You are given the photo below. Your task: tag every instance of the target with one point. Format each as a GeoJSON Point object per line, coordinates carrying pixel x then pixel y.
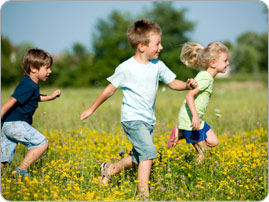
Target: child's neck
{"type": "Point", "coordinates": [141, 58]}
{"type": "Point", "coordinates": [33, 77]}
{"type": "Point", "coordinates": [212, 71]}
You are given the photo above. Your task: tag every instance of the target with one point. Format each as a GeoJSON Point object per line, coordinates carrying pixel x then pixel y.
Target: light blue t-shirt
{"type": "Point", "coordinates": [139, 83]}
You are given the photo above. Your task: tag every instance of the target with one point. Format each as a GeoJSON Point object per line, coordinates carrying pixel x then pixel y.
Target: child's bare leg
{"type": "Point", "coordinates": [32, 155]}
{"type": "Point", "coordinates": [117, 167]}
{"type": "Point", "coordinates": [212, 139]}
{"type": "Point", "coordinates": [143, 177]}
{"type": "Point", "coordinates": [123, 164]}
{"type": "Point", "coordinates": [200, 147]}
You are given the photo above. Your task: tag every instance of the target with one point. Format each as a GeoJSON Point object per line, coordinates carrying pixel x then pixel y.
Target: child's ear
{"type": "Point", "coordinates": [212, 63]}
{"type": "Point", "coordinates": [33, 69]}
{"type": "Point", "coordinates": [140, 47]}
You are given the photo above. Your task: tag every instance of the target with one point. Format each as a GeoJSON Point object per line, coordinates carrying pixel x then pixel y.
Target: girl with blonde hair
{"type": "Point", "coordinates": [212, 60]}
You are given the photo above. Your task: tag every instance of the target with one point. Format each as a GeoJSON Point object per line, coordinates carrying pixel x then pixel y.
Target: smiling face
{"type": "Point", "coordinates": [154, 47]}
{"type": "Point", "coordinates": [222, 62]}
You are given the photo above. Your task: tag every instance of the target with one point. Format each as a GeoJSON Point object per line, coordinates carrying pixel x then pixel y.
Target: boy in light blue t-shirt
{"type": "Point", "coordinates": [139, 78]}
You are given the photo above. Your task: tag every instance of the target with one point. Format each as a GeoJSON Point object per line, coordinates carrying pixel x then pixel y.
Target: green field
{"type": "Point", "coordinates": [235, 170]}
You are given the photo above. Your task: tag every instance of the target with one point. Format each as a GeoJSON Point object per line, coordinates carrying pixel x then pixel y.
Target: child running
{"type": "Point", "coordinates": [139, 79]}
{"type": "Point", "coordinates": [191, 125]}
{"type": "Point", "coordinates": [17, 112]}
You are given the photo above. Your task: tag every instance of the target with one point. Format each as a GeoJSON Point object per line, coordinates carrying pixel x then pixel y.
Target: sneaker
{"type": "Point", "coordinates": [172, 137]}
{"type": "Point", "coordinates": [105, 176]}
{"type": "Point", "coordinates": [18, 172]}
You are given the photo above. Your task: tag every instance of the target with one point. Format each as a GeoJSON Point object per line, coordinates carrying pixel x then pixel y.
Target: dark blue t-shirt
{"type": "Point", "coordinates": [27, 96]}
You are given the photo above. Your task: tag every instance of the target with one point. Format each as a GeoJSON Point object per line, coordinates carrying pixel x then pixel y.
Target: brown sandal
{"type": "Point", "coordinates": [105, 176]}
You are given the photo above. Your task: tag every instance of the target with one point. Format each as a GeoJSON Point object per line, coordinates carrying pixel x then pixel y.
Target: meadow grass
{"type": "Point", "coordinates": [237, 169]}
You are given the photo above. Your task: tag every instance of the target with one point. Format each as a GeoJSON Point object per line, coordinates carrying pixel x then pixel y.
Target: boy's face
{"type": "Point", "coordinates": [43, 73]}
{"type": "Point", "coordinates": [154, 47]}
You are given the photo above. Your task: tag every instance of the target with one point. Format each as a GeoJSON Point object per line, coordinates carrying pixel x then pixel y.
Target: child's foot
{"type": "Point", "coordinates": [173, 140]}
{"type": "Point", "coordinates": [200, 158]}
{"type": "Point", "coordinates": [105, 176]}
{"type": "Point", "coordinates": [18, 172]}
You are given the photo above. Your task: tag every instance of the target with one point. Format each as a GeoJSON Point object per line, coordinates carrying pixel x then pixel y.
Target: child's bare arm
{"type": "Point", "coordinates": [190, 101]}
{"type": "Point", "coordinates": [107, 92]}
{"type": "Point", "coordinates": [181, 85]}
{"type": "Point", "coordinates": [7, 105]}
{"type": "Point", "coordinates": [52, 96]}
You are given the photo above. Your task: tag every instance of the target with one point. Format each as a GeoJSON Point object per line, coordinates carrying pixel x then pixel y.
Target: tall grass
{"type": "Point", "coordinates": [235, 170]}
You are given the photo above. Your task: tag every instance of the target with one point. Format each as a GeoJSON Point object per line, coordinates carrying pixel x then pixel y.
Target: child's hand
{"type": "Point", "coordinates": [191, 84]}
{"type": "Point", "coordinates": [56, 93]}
{"type": "Point", "coordinates": [195, 123]}
{"type": "Point", "coordinates": [85, 114]}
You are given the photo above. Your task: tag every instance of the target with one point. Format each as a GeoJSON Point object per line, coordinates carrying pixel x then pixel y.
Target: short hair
{"type": "Point", "coordinates": [194, 55]}
{"type": "Point", "coordinates": [140, 32]}
{"type": "Point", "coordinates": [35, 58]}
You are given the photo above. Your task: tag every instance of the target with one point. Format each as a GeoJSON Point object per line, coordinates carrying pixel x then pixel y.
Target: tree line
{"type": "Point", "coordinates": [80, 67]}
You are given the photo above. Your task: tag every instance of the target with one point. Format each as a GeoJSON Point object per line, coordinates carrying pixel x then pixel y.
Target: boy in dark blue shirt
{"type": "Point", "coordinates": [17, 112]}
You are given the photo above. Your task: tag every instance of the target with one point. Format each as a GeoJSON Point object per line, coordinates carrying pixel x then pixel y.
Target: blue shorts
{"type": "Point", "coordinates": [195, 136]}
{"type": "Point", "coordinates": [18, 131]}
{"type": "Point", "coordinates": [140, 135]}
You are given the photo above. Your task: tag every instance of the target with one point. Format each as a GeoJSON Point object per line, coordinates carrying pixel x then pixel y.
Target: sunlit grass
{"type": "Point", "coordinates": [235, 170]}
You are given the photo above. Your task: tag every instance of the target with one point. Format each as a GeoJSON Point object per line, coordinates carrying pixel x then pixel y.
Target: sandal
{"type": "Point", "coordinates": [105, 176]}
{"type": "Point", "coordinates": [172, 137]}
{"type": "Point", "coordinates": [20, 173]}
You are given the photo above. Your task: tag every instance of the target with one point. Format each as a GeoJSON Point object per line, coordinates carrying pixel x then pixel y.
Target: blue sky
{"type": "Point", "coordinates": [56, 25]}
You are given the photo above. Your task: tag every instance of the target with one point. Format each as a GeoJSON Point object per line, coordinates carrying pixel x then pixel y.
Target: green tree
{"type": "Point", "coordinates": [11, 71]}
{"type": "Point", "coordinates": [73, 68]}
{"type": "Point", "coordinates": [250, 54]}
{"type": "Point", "coordinates": [7, 73]}
{"type": "Point", "coordinates": [6, 47]}
{"type": "Point", "coordinates": [244, 59]}
{"type": "Point", "coordinates": [110, 46]}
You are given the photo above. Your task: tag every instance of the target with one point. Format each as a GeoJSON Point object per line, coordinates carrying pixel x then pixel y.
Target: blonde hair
{"type": "Point", "coordinates": [140, 32]}
{"type": "Point", "coordinates": [35, 58]}
{"type": "Point", "coordinates": [194, 55]}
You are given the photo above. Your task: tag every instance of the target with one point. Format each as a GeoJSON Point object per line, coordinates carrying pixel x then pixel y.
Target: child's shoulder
{"type": "Point", "coordinates": [203, 75]}
{"type": "Point", "coordinates": [126, 62]}
{"type": "Point", "coordinates": [27, 82]}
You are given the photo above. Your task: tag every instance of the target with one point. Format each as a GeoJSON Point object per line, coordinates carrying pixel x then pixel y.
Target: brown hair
{"type": "Point", "coordinates": [194, 55]}
{"type": "Point", "coordinates": [140, 31]}
{"type": "Point", "coordinates": [35, 58]}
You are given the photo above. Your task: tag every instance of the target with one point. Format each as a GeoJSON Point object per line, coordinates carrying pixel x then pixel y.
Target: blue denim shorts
{"type": "Point", "coordinates": [18, 131]}
{"type": "Point", "coordinates": [140, 134]}
{"type": "Point", "coordinates": [195, 136]}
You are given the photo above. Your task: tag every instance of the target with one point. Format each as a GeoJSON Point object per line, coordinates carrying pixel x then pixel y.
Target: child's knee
{"type": "Point", "coordinates": [215, 142]}
{"type": "Point", "coordinates": [46, 145]}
